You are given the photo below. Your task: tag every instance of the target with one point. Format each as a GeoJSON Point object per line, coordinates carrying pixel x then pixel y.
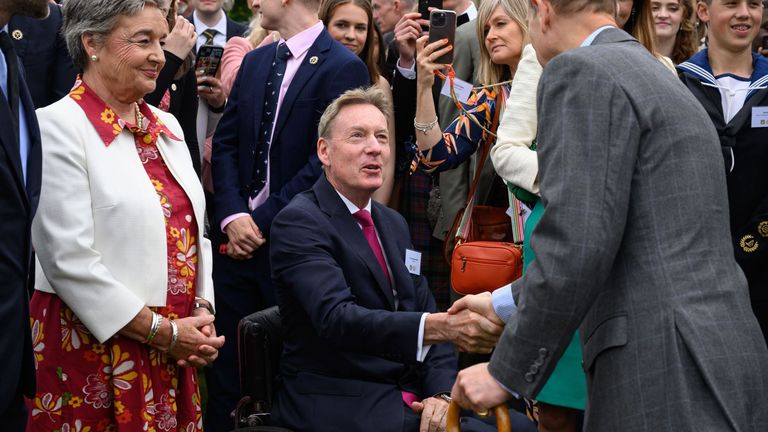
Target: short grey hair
{"type": "Point", "coordinates": [359, 96]}
{"type": "Point", "coordinates": [97, 18]}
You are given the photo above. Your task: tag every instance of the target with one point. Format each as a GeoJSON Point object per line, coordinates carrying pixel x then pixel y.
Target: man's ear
{"type": "Point", "coordinates": [322, 151]}
{"type": "Point", "coordinates": [544, 13]}
{"type": "Point", "coordinates": [702, 10]}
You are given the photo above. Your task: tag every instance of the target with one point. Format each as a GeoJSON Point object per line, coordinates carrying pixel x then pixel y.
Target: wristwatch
{"type": "Point", "coordinates": [444, 396]}
{"type": "Point", "coordinates": [200, 303]}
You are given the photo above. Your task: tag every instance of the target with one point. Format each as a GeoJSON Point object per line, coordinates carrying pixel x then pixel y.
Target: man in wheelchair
{"type": "Point", "coordinates": [364, 348]}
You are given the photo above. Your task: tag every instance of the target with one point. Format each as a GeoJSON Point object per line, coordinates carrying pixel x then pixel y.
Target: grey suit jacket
{"type": "Point", "coordinates": [634, 246]}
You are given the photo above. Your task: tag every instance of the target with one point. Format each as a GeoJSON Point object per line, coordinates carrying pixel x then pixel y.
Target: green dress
{"type": "Point", "coordinates": [567, 386]}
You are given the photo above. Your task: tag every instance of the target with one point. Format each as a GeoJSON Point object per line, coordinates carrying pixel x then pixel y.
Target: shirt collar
{"type": "Point", "coordinates": [351, 207]}
{"type": "Point", "coordinates": [302, 41]}
{"type": "Point", "coordinates": [591, 38]}
{"type": "Point", "coordinates": [698, 66]}
{"type": "Point", "coordinates": [220, 26]}
{"type": "Point", "coordinates": [107, 124]}
{"type": "Point", "coordinates": [471, 11]}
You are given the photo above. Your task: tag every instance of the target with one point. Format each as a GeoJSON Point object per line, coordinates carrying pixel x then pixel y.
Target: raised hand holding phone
{"type": "Point", "coordinates": [442, 26]}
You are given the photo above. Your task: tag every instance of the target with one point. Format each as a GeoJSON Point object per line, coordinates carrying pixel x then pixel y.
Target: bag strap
{"type": "Point", "coordinates": [463, 230]}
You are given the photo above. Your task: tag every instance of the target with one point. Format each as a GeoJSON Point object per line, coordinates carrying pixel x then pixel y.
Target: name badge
{"type": "Point", "coordinates": [413, 261]}
{"type": "Point", "coordinates": [759, 117]}
{"type": "Point", "coordinates": [463, 90]}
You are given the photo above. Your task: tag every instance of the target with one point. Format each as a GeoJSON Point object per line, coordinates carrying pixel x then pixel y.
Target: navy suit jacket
{"type": "Point", "coordinates": [50, 72]}
{"type": "Point", "coordinates": [347, 353]}
{"type": "Point", "coordinates": [328, 70]}
{"type": "Point", "coordinates": [18, 202]}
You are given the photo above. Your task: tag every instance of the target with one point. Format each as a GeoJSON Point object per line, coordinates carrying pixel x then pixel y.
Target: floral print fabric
{"type": "Point", "coordinates": [463, 136]}
{"type": "Point", "coordinates": [122, 384]}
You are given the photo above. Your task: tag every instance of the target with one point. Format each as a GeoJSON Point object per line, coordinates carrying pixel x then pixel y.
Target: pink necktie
{"type": "Point", "coordinates": [364, 218]}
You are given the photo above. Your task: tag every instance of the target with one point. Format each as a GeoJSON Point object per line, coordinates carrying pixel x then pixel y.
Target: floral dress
{"type": "Point", "coordinates": [122, 384]}
{"type": "Point", "coordinates": [462, 137]}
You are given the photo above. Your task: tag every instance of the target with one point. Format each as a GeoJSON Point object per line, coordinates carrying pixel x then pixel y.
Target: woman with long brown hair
{"type": "Point", "coordinates": [676, 34]}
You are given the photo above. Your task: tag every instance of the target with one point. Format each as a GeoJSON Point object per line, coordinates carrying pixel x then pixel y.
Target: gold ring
{"type": "Point", "coordinates": [482, 413]}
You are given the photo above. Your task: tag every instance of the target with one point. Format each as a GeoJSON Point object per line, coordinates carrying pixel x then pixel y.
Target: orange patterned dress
{"type": "Point", "coordinates": [122, 384]}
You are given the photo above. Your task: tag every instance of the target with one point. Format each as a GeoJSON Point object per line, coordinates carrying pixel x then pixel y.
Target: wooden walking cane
{"type": "Point", "coordinates": [500, 411]}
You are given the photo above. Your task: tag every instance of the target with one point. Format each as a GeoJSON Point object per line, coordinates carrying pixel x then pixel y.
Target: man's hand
{"type": "Point", "coordinates": [469, 331]}
{"type": "Point", "coordinates": [181, 39]}
{"type": "Point", "coordinates": [433, 414]}
{"type": "Point", "coordinates": [477, 390]}
{"type": "Point", "coordinates": [480, 303]}
{"type": "Point", "coordinates": [244, 238]}
{"type": "Point", "coordinates": [407, 30]}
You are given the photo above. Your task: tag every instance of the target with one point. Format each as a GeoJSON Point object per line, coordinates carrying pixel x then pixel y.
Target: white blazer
{"type": "Point", "coordinates": [99, 232]}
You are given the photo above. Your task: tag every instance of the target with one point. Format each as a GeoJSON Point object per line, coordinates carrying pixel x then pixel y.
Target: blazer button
{"type": "Point", "coordinates": [534, 369]}
{"type": "Point", "coordinates": [529, 377]}
{"type": "Point", "coordinates": [543, 352]}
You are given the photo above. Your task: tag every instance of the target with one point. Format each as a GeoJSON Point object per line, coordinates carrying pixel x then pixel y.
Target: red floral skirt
{"type": "Point", "coordinates": [120, 385]}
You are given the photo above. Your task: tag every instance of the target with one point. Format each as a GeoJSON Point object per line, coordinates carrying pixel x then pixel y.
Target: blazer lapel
{"type": "Point", "coordinates": [401, 279]}
{"type": "Point", "coordinates": [259, 93]}
{"type": "Point", "coordinates": [34, 155]}
{"type": "Point", "coordinates": [9, 138]}
{"type": "Point", "coordinates": [348, 229]}
{"type": "Point", "coordinates": [312, 61]}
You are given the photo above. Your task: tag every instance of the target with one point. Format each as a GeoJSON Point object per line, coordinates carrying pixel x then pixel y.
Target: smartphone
{"type": "Point", "coordinates": [209, 59]}
{"type": "Point", "coordinates": [424, 6]}
{"type": "Point", "coordinates": [442, 25]}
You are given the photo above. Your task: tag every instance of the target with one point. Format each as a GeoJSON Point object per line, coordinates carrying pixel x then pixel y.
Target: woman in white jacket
{"type": "Point", "coordinates": [124, 298]}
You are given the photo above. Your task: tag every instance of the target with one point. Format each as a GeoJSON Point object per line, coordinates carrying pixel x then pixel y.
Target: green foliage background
{"type": "Point", "coordinates": [240, 11]}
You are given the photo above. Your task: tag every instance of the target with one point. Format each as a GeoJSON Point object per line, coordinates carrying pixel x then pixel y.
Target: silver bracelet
{"type": "Point", "coordinates": [157, 321]}
{"type": "Point", "coordinates": [424, 127]}
{"type": "Point", "coordinates": [174, 335]}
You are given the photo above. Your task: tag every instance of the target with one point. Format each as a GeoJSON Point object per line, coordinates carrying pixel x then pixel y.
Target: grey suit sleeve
{"type": "Point", "coordinates": [589, 138]}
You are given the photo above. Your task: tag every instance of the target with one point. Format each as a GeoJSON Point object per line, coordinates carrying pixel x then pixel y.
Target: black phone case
{"type": "Point", "coordinates": [209, 59]}
{"type": "Point", "coordinates": [424, 6]}
{"type": "Point", "coordinates": [447, 31]}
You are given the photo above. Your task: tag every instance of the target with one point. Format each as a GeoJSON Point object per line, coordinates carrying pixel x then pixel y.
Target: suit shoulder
{"type": "Point", "coordinates": [62, 111]}
{"type": "Point", "coordinates": [301, 206]}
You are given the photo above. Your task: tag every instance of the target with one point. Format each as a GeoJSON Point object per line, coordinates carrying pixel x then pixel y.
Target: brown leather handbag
{"type": "Point", "coordinates": [503, 422]}
{"type": "Point", "coordinates": [479, 244]}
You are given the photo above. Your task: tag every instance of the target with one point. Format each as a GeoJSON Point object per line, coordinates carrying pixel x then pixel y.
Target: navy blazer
{"type": "Point", "coordinates": [43, 52]}
{"type": "Point", "coordinates": [18, 202]}
{"type": "Point", "coordinates": [347, 353]}
{"type": "Point", "coordinates": [328, 70]}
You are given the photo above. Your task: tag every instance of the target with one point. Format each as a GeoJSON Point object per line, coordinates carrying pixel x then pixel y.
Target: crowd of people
{"type": "Point", "coordinates": [147, 206]}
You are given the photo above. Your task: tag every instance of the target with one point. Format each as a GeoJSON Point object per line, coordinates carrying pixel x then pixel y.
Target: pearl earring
{"type": "Point", "coordinates": [94, 58]}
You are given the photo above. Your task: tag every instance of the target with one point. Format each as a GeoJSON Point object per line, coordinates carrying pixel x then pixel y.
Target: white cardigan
{"type": "Point", "coordinates": [99, 232]}
{"type": "Point", "coordinates": [512, 157]}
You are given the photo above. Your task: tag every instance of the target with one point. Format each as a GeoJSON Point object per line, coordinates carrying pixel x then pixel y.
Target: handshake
{"type": "Point", "coordinates": [470, 323]}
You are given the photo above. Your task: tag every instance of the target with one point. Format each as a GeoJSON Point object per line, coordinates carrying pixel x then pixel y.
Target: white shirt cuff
{"type": "Point", "coordinates": [421, 349]}
{"type": "Point", "coordinates": [409, 73]}
{"type": "Point", "coordinates": [503, 302]}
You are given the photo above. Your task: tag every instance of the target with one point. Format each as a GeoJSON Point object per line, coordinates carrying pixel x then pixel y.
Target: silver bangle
{"type": "Point", "coordinates": [157, 321]}
{"type": "Point", "coordinates": [174, 335]}
{"type": "Point", "coordinates": [424, 127]}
